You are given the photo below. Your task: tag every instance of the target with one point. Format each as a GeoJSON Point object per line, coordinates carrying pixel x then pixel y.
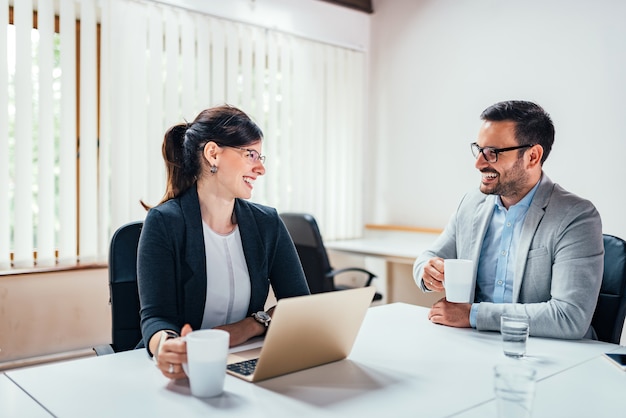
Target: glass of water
{"type": "Point", "coordinates": [514, 386]}
{"type": "Point", "coordinates": [514, 330]}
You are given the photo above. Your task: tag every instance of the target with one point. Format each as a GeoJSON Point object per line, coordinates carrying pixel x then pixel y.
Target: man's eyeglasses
{"type": "Point", "coordinates": [491, 154]}
{"type": "Point", "coordinates": [251, 154]}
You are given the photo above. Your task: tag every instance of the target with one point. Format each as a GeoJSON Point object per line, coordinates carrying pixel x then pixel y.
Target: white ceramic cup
{"type": "Point", "coordinates": [207, 352]}
{"type": "Point", "coordinates": [514, 387]}
{"type": "Point", "coordinates": [458, 280]}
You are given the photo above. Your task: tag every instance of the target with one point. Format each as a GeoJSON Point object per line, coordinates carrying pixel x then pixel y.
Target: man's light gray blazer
{"type": "Point", "coordinates": [559, 264]}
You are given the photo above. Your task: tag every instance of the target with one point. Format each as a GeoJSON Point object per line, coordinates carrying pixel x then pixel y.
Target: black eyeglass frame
{"type": "Point", "coordinates": [248, 150]}
{"type": "Point", "coordinates": [476, 149]}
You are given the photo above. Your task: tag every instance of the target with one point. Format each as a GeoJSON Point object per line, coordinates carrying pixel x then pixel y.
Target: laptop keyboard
{"type": "Point", "coordinates": [245, 368]}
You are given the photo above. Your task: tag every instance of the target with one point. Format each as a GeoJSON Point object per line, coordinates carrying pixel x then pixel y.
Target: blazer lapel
{"type": "Point", "coordinates": [480, 222]}
{"type": "Point", "coordinates": [255, 258]}
{"type": "Point", "coordinates": [195, 279]}
{"type": "Point", "coordinates": [531, 223]}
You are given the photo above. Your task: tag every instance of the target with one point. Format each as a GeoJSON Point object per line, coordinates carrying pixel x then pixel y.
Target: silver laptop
{"type": "Point", "coordinates": [306, 331]}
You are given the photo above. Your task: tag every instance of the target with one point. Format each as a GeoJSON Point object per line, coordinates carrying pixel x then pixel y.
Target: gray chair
{"type": "Point", "coordinates": [608, 318]}
{"type": "Point", "coordinates": [319, 273]}
{"type": "Point", "coordinates": [124, 294]}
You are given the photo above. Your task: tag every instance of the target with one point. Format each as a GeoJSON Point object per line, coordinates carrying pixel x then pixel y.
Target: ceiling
{"type": "Point", "coordinates": [362, 5]}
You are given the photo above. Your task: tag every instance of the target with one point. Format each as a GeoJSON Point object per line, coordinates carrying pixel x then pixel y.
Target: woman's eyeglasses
{"type": "Point", "coordinates": [251, 154]}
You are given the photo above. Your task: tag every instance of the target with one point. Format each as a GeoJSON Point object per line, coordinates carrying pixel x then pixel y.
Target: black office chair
{"type": "Point", "coordinates": [308, 241]}
{"type": "Point", "coordinates": [608, 318]}
{"type": "Point", "coordinates": [124, 295]}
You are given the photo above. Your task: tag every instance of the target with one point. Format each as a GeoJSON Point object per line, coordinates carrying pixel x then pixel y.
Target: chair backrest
{"type": "Point", "coordinates": [123, 287]}
{"type": "Point", "coordinates": [308, 241]}
{"type": "Point", "coordinates": [608, 318]}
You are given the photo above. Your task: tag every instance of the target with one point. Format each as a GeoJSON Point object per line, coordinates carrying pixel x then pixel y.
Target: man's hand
{"type": "Point", "coordinates": [450, 314]}
{"type": "Point", "coordinates": [433, 274]}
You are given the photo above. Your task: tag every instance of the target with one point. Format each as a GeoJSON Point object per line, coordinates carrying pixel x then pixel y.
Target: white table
{"type": "Point", "coordinates": [595, 388]}
{"type": "Point", "coordinates": [390, 255]}
{"type": "Point", "coordinates": [15, 403]}
{"type": "Point", "coordinates": [401, 366]}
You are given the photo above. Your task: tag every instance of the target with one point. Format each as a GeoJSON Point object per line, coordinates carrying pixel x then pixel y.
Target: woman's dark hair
{"type": "Point", "coordinates": [183, 144]}
{"type": "Point", "coordinates": [532, 124]}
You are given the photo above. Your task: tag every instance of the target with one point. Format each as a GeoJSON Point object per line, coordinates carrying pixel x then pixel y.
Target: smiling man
{"type": "Point", "coordinates": [537, 248]}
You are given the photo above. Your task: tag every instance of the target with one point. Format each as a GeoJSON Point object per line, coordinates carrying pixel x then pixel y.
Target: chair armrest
{"type": "Point", "coordinates": [103, 349]}
{"type": "Point", "coordinates": [370, 275]}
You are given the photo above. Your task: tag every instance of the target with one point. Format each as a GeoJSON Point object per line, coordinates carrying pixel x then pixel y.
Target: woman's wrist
{"type": "Point", "coordinates": [164, 336]}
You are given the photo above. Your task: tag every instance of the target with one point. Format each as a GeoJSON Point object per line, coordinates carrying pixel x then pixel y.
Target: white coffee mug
{"type": "Point", "coordinates": [459, 280]}
{"type": "Point", "coordinates": [207, 353]}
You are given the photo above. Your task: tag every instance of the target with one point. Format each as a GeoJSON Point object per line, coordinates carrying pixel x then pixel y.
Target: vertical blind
{"type": "Point", "coordinates": [41, 148]}
{"type": "Point", "coordinates": [5, 178]}
{"type": "Point", "coordinates": [161, 65]}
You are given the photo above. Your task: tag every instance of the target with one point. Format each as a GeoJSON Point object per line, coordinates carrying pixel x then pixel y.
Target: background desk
{"type": "Point", "coordinates": [390, 255]}
{"type": "Point", "coordinates": [401, 366]}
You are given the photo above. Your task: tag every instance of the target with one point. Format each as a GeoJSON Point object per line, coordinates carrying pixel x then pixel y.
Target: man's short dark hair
{"type": "Point", "coordinates": [532, 124]}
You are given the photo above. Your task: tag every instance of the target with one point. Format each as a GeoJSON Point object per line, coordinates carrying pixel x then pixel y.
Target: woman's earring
{"type": "Point", "coordinates": [213, 169]}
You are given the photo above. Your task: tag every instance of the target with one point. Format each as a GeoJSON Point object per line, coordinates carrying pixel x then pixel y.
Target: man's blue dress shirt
{"type": "Point", "coordinates": [496, 266]}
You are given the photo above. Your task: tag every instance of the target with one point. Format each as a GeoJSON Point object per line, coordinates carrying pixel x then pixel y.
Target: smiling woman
{"type": "Point", "coordinates": [232, 249]}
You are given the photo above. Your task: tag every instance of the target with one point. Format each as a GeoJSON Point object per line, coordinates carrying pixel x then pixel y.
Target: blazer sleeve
{"type": "Point", "coordinates": [156, 272]}
{"type": "Point", "coordinates": [286, 273]}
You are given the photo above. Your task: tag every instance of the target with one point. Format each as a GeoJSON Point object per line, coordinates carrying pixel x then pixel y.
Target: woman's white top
{"type": "Point", "coordinates": [228, 280]}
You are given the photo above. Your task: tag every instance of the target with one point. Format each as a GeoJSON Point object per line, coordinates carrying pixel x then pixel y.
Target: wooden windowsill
{"type": "Point", "coordinates": [403, 228]}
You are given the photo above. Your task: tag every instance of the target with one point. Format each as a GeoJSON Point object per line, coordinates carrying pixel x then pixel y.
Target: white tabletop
{"type": "Point", "coordinates": [401, 366]}
{"type": "Point", "coordinates": [594, 388]}
{"type": "Point", "coordinates": [15, 403]}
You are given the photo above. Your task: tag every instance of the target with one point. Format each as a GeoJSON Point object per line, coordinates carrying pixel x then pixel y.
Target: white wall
{"type": "Point", "coordinates": [436, 64]}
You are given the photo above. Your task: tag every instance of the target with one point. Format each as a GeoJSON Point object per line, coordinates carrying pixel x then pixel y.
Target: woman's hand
{"type": "Point", "coordinates": [171, 354]}
{"type": "Point", "coordinates": [243, 330]}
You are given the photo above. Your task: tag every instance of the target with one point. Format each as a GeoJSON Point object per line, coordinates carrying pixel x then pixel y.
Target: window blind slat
{"type": "Point", "coordinates": [218, 91]}
{"type": "Point", "coordinates": [156, 124]}
{"type": "Point", "coordinates": [189, 65]}
{"type": "Point", "coordinates": [46, 156]}
{"type": "Point", "coordinates": [23, 206]}
{"type": "Point", "coordinates": [172, 82]}
{"type": "Point", "coordinates": [259, 110]}
{"type": "Point", "coordinates": [136, 141]}
{"type": "Point", "coordinates": [286, 135]}
{"type": "Point", "coordinates": [333, 142]}
{"type": "Point", "coordinates": [272, 113]}
{"type": "Point", "coordinates": [67, 148]}
{"type": "Point", "coordinates": [319, 135]}
{"type": "Point", "coordinates": [203, 52]}
{"type": "Point", "coordinates": [246, 66]}
{"type": "Point", "coordinates": [231, 70]}
{"type": "Point", "coordinates": [359, 125]}
{"type": "Point", "coordinates": [120, 52]}
{"type": "Point", "coordinates": [88, 181]}
{"type": "Point", "coordinates": [104, 210]}
{"type": "Point", "coordinates": [5, 260]}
